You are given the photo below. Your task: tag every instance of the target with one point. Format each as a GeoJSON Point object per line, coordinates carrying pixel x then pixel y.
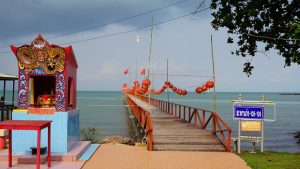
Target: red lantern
{"type": "Point", "coordinates": [171, 86]}
{"type": "Point", "coordinates": [165, 87]}
{"type": "Point", "coordinates": [144, 90]}
{"type": "Point", "coordinates": [209, 84]}
{"type": "Point", "coordinates": [198, 90]}
{"type": "Point", "coordinates": [178, 91]}
{"type": "Point", "coordinates": [146, 82]}
{"type": "Point", "coordinates": [204, 88]}
{"type": "Point", "coordinates": [184, 92]}
{"type": "Point", "coordinates": [144, 86]}
{"type": "Point", "coordinates": [174, 89]}
{"type": "Point", "coordinates": [167, 83]}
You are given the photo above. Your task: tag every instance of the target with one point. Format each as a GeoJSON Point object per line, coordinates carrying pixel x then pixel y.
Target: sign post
{"type": "Point", "coordinates": [248, 112]}
{"type": "Point", "coordinates": [251, 117]}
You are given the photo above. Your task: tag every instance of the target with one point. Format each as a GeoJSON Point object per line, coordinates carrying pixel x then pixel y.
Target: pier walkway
{"type": "Point", "coordinates": [175, 127]}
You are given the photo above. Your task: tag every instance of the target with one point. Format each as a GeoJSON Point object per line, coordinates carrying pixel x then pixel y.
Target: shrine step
{"type": "Point", "coordinates": [31, 159]}
{"type": "Point", "coordinates": [72, 155]}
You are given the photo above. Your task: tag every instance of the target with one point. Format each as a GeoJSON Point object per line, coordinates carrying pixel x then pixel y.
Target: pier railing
{"type": "Point", "coordinates": [199, 117]}
{"type": "Point", "coordinates": [143, 118]}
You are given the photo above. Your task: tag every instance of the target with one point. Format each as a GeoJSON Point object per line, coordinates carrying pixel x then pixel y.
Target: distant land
{"type": "Point", "coordinates": [289, 93]}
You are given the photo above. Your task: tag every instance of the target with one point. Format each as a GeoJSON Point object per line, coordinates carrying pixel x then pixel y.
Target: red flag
{"type": "Point", "coordinates": [126, 71]}
{"type": "Point", "coordinates": [143, 71]}
{"type": "Point", "coordinates": [124, 88]}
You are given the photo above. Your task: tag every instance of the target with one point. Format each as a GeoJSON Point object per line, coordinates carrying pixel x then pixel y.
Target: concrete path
{"type": "Point", "coordinates": [117, 156]}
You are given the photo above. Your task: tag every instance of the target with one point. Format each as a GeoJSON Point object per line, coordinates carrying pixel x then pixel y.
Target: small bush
{"type": "Point", "coordinates": [89, 134]}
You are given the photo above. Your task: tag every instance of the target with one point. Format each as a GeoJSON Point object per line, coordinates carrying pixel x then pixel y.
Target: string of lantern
{"type": "Point", "coordinates": [170, 86]}
{"type": "Point", "coordinates": [144, 88]}
{"type": "Point", "coordinates": [204, 87]}
{"type": "Point", "coordinates": [138, 88]}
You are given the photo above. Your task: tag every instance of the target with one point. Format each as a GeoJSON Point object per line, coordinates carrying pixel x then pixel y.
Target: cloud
{"type": "Point", "coordinates": [110, 67]}
{"type": "Point", "coordinates": [30, 17]}
{"type": "Point", "coordinates": [185, 42]}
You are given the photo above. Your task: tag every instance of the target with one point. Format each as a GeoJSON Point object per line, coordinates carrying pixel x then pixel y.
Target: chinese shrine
{"type": "Point", "coordinates": [47, 91]}
{"type": "Point", "coordinates": [47, 77]}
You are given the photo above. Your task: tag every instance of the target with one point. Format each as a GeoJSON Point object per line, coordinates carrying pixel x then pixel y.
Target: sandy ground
{"type": "Point", "coordinates": [118, 156]}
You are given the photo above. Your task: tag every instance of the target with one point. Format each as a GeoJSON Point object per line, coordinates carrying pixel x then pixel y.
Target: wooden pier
{"type": "Point", "coordinates": [175, 127]}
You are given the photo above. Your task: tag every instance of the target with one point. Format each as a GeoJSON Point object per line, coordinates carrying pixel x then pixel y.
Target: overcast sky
{"type": "Point", "coordinates": [185, 42]}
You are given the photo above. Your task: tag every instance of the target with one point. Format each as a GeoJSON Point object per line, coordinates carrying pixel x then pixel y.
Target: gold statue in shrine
{"type": "Point", "coordinates": [46, 100]}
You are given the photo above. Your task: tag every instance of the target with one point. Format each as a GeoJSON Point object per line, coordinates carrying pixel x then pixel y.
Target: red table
{"type": "Point", "coordinates": [28, 125]}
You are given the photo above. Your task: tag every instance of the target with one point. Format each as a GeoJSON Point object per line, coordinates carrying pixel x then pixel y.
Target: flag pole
{"type": "Point", "coordinates": [214, 75]}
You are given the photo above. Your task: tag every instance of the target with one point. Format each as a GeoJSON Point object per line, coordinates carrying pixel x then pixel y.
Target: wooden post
{"type": "Point", "coordinates": [195, 118]}
{"type": "Point", "coordinates": [184, 112]}
{"type": "Point", "coordinates": [179, 111]}
{"type": "Point", "coordinates": [150, 50]}
{"type": "Point", "coordinates": [189, 113]}
{"type": "Point", "coordinates": [136, 70]}
{"type": "Point", "coordinates": [203, 118]}
{"type": "Point", "coordinates": [4, 91]}
{"type": "Point", "coordinates": [150, 53]}
{"type": "Point", "coordinates": [214, 75]}
{"type": "Point", "coordinates": [168, 93]}
{"type": "Point", "coordinates": [214, 125]}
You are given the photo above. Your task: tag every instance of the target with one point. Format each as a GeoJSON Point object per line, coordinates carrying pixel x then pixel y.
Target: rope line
{"type": "Point", "coordinates": [133, 30]}
{"type": "Point", "coordinates": [129, 31]}
{"type": "Point", "coordinates": [183, 75]}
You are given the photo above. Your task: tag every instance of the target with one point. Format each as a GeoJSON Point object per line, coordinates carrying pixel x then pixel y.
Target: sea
{"type": "Point", "coordinates": [107, 112]}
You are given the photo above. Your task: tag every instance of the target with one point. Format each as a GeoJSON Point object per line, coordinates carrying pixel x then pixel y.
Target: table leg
{"type": "Point", "coordinates": [49, 146]}
{"type": "Point", "coordinates": [38, 151]}
{"type": "Point", "coordinates": [10, 149]}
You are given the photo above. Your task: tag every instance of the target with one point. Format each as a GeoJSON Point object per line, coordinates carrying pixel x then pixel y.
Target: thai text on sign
{"type": "Point", "coordinates": [250, 125]}
{"type": "Point", "coordinates": [248, 112]}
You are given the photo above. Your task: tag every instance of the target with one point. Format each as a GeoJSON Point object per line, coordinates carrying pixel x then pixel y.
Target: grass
{"type": "Point", "coordinates": [272, 160]}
